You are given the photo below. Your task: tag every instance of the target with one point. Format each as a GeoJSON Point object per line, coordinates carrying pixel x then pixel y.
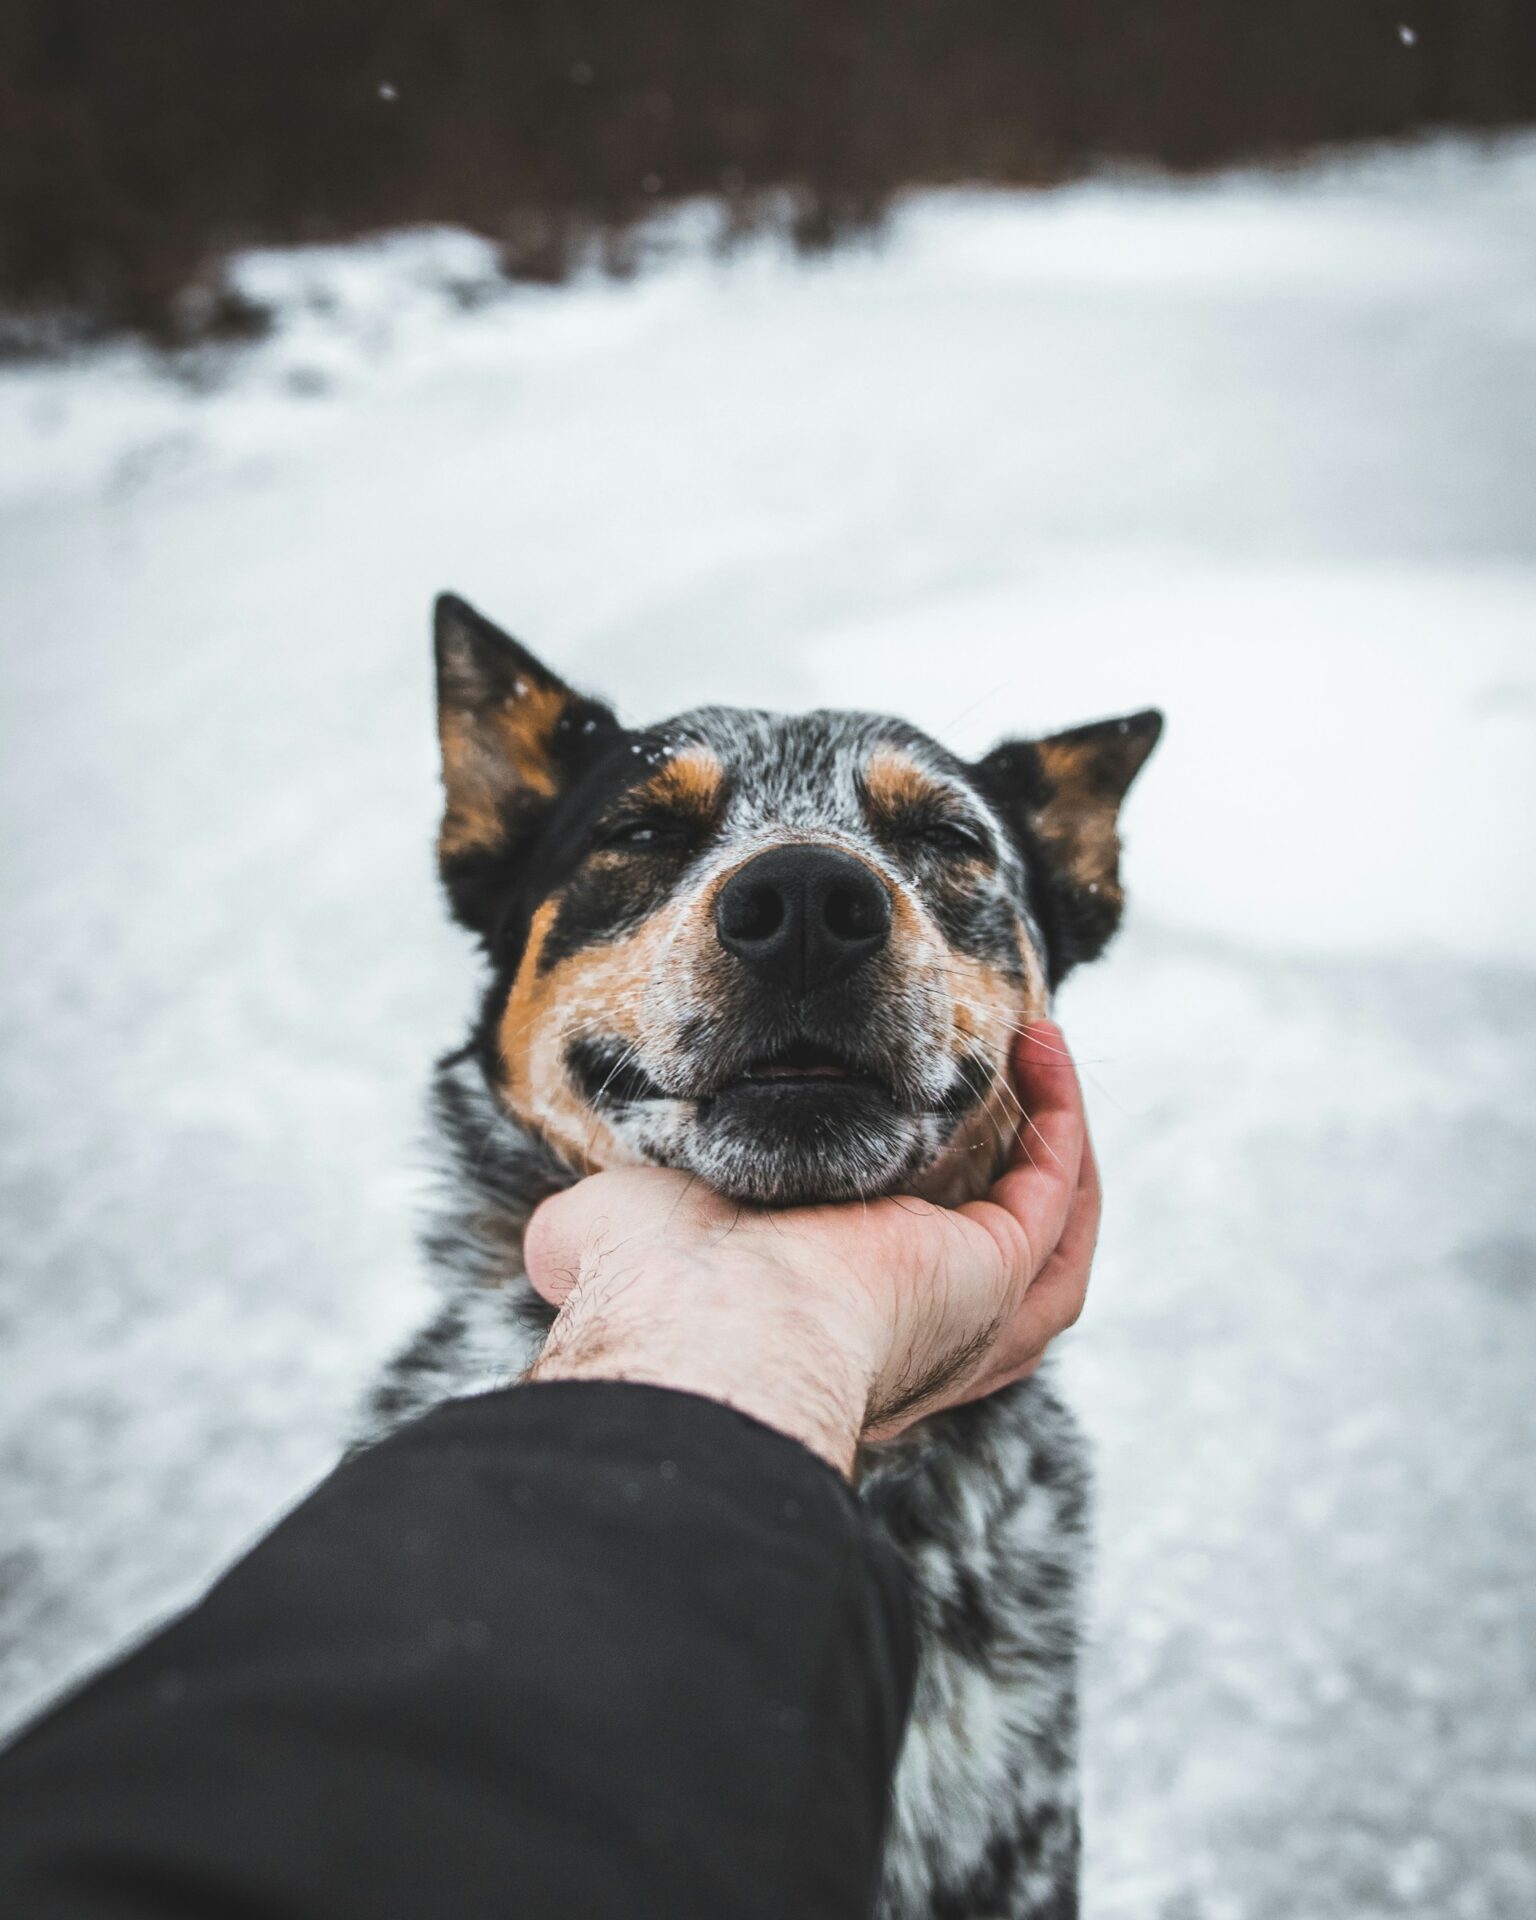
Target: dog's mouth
{"type": "Point", "coordinates": [609, 1075]}
{"type": "Point", "coordinates": [783, 1119]}
{"type": "Point", "coordinates": [804, 1062]}
{"type": "Point", "coordinates": [800, 1122]}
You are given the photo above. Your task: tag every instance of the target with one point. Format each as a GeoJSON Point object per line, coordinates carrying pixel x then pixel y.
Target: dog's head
{"type": "Point", "coordinates": [789, 954]}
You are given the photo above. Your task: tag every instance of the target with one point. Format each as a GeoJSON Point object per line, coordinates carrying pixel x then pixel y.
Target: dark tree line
{"type": "Point", "coordinates": [141, 139]}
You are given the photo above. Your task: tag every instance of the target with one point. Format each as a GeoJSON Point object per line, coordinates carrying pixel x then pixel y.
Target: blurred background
{"type": "Point", "coordinates": [999, 365]}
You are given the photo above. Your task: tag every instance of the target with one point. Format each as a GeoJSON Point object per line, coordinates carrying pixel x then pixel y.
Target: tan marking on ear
{"type": "Point", "coordinates": [1077, 822]}
{"type": "Point", "coordinates": [1080, 820]}
{"type": "Point", "coordinates": [527, 725]}
{"type": "Point", "coordinates": [895, 782]}
{"type": "Point", "coordinates": [1067, 763]}
{"type": "Point", "coordinates": [472, 784]}
{"type": "Point", "coordinates": [599, 990]}
{"type": "Point", "coordinates": [691, 782]}
{"type": "Point", "coordinates": [489, 757]}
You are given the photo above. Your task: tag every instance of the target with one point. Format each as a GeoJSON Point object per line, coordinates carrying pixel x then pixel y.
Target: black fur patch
{"type": "Point", "coordinates": [606, 1075]}
{"type": "Point", "coordinates": [975, 922]}
{"type": "Point", "coordinates": [973, 1082]}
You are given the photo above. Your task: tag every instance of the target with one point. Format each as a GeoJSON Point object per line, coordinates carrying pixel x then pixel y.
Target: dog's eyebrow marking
{"type": "Point", "coordinates": [894, 783]}
{"type": "Point", "coordinates": [691, 782]}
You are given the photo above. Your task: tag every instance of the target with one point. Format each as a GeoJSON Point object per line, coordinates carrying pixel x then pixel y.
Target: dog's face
{"type": "Point", "coordinates": [788, 954]}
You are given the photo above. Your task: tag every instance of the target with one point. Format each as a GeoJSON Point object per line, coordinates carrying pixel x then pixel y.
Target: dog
{"type": "Point", "coordinates": [790, 954]}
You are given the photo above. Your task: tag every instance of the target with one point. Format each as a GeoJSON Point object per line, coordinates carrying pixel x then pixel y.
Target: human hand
{"type": "Point", "coordinates": [831, 1323]}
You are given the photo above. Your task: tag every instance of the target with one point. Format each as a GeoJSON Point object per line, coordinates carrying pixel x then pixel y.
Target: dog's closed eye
{"type": "Point", "coordinates": [934, 827]}
{"type": "Point", "coordinates": [949, 837]}
{"type": "Point", "coordinates": [645, 834]}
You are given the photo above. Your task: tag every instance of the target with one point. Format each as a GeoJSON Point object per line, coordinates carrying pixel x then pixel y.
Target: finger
{"type": "Point", "coordinates": [1040, 1185]}
{"type": "Point", "coordinates": [553, 1244]}
{"type": "Point", "coordinates": [1051, 1094]}
{"type": "Point", "coordinates": [577, 1225]}
{"type": "Point", "coordinates": [1056, 1299]}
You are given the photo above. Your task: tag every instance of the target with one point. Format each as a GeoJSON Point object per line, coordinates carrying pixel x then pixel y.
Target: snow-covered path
{"type": "Point", "coordinates": [1262, 452]}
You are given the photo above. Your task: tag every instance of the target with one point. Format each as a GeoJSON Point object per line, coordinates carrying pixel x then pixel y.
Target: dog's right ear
{"type": "Point", "coordinates": [513, 735]}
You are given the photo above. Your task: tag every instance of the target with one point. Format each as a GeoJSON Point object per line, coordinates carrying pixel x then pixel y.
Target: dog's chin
{"type": "Point", "coordinates": [795, 1142]}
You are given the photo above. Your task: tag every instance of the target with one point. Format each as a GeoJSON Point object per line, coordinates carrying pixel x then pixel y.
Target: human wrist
{"type": "Point", "coordinates": [742, 1337]}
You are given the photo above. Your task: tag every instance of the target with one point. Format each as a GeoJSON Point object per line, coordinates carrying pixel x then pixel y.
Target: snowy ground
{"type": "Point", "coordinates": [1262, 451]}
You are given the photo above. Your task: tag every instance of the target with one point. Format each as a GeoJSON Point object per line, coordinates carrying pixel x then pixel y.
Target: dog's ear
{"type": "Point", "coordinates": [513, 735]}
{"type": "Point", "coordinates": [1062, 796]}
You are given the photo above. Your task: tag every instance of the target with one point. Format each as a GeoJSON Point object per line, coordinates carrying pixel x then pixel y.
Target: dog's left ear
{"type": "Point", "coordinates": [1062, 796]}
{"type": "Point", "coordinates": [513, 734]}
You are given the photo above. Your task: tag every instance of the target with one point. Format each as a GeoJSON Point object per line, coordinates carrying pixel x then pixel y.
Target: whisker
{"type": "Point", "coordinates": [1021, 1028]}
{"type": "Point", "coordinates": [1030, 1123]}
{"type": "Point", "coordinates": [896, 1200]}
{"type": "Point", "coordinates": [981, 700]}
{"type": "Point", "coordinates": [629, 1053]}
{"type": "Point", "coordinates": [681, 1198]}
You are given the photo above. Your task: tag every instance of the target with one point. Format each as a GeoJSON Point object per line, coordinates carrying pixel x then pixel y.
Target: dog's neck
{"type": "Point", "coordinates": [494, 1173]}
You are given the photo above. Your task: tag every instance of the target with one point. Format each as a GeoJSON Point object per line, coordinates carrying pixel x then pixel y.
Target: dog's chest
{"type": "Point", "coordinates": [988, 1512]}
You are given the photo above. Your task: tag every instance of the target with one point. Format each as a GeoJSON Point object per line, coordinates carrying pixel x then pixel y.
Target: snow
{"type": "Point", "coordinates": [1258, 450]}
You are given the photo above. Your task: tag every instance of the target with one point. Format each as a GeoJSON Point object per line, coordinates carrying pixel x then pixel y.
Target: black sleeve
{"type": "Point", "coordinates": [575, 1650]}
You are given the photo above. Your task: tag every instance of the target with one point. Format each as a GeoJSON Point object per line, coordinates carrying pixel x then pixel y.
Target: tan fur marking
{"type": "Point", "coordinates": [1067, 763]}
{"type": "Point", "coordinates": [527, 729]}
{"type": "Point", "coordinates": [490, 756]}
{"type": "Point", "coordinates": [987, 1004]}
{"type": "Point", "coordinates": [1078, 820]}
{"type": "Point", "coordinates": [471, 784]}
{"type": "Point", "coordinates": [691, 783]}
{"type": "Point", "coordinates": [911, 929]}
{"type": "Point", "coordinates": [601, 989]}
{"type": "Point", "coordinates": [987, 1009]}
{"type": "Point", "coordinates": [974, 1158]}
{"type": "Point", "coordinates": [895, 783]}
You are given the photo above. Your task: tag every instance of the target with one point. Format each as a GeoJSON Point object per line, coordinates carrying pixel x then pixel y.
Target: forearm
{"type": "Point", "coordinates": [576, 1649]}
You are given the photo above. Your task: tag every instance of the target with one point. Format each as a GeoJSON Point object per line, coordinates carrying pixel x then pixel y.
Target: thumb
{"type": "Point", "coordinates": [552, 1252]}
{"type": "Point", "coordinates": [571, 1233]}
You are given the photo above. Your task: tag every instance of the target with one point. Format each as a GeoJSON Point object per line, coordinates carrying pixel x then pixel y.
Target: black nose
{"type": "Point", "coordinates": [803, 916]}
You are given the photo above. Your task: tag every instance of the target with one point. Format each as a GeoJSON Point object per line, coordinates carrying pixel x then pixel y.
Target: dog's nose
{"type": "Point", "coordinates": [803, 917]}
